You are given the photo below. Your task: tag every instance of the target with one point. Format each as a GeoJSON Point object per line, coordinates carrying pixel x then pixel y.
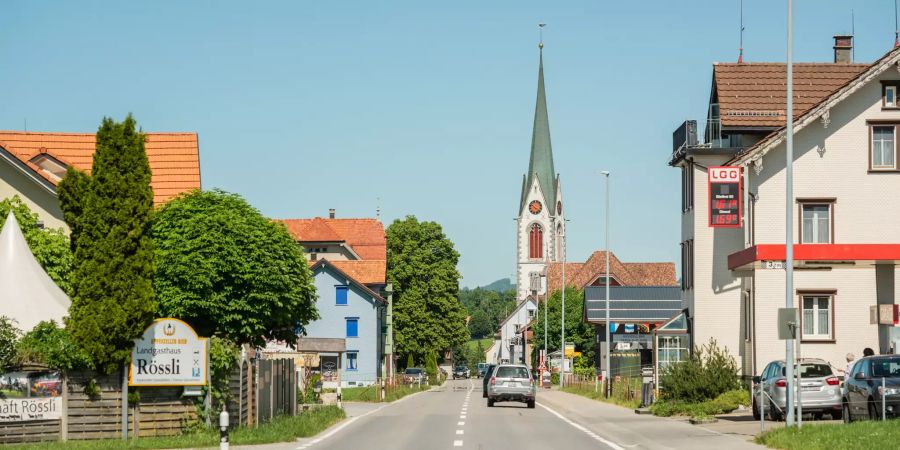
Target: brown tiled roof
{"type": "Point", "coordinates": [365, 236]}
{"type": "Point", "coordinates": [753, 94]}
{"type": "Point", "coordinates": [627, 274]}
{"type": "Point", "coordinates": [174, 157]}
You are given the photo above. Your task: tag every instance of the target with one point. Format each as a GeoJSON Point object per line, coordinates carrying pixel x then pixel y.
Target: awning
{"type": "Point", "coordinates": [815, 256]}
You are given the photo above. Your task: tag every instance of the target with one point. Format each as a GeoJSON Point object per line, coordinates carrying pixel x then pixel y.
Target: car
{"type": "Point", "coordinates": [460, 372]}
{"type": "Point", "coordinates": [873, 382]}
{"type": "Point", "coordinates": [485, 378]}
{"type": "Point", "coordinates": [820, 389]}
{"type": "Point", "coordinates": [482, 367]}
{"type": "Point", "coordinates": [415, 375]}
{"type": "Point", "coordinates": [511, 383]}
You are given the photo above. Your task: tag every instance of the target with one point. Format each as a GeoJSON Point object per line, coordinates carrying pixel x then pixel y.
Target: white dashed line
{"type": "Point", "coordinates": [590, 433]}
{"type": "Point", "coordinates": [460, 424]}
{"type": "Point", "coordinates": [460, 431]}
{"type": "Point", "coordinates": [457, 443]}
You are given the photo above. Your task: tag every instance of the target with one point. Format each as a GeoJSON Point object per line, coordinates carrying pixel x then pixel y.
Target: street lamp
{"type": "Point", "coordinates": [789, 214]}
{"type": "Point", "coordinates": [605, 173]}
{"type": "Point", "coordinates": [562, 344]}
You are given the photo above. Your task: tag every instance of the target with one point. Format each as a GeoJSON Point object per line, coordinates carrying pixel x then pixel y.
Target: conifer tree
{"type": "Point", "coordinates": [112, 278]}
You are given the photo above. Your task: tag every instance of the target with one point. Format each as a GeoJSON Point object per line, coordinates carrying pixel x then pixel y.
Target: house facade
{"type": "Point", "coordinates": [33, 163]}
{"type": "Point", "coordinates": [845, 245]}
{"type": "Point", "coordinates": [512, 344]}
{"type": "Point", "coordinates": [348, 262]}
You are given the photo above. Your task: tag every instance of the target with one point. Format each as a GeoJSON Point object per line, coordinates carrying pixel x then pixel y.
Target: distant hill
{"type": "Point", "coordinates": [501, 285]}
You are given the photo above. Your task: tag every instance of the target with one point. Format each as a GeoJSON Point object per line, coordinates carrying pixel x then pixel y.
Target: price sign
{"type": "Point", "coordinates": [725, 197]}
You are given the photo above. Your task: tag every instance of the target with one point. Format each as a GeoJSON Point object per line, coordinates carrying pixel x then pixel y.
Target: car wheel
{"type": "Point", "coordinates": [531, 404]}
{"type": "Point", "coordinates": [845, 412]}
{"type": "Point", "coordinates": [755, 407]}
{"type": "Point", "coordinates": [490, 403]}
{"type": "Point", "coordinates": [873, 411]}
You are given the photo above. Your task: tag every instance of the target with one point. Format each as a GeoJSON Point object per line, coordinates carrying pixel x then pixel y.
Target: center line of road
{"type": "Point", "coordinates": [460, 424]}
{"type": "Point", "coordinates": [590, 433]}
{"type": "Point", "coordinates": [460, 431]}
{"type": "Point", "coordinates": [457, 443]}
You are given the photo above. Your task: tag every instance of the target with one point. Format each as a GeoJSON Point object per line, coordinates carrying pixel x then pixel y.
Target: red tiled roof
{"type": "Point", "coordinates": [366, 272]}
{"type": "Point", "coordinates": [174, 157]}
{"type": "Point", "coordinates": [627, 274]}
{"type": "Point", "coordinates": [753, 94]}
{"type": "Point", "coordinates": [365, 236]}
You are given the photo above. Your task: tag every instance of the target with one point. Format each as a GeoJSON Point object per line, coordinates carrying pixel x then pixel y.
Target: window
{"type": "Point", "coordinates": [536, 242]}
{"type": "Point", "coordinates": [672, 349]}
{"type": "Point", "coordinates": [816, 228]}
{"type": "Point", "coordinates": [351, 360]}
{"type": "Point", "coordinates": [340, 295]}
{"type": "Point", "coordinates": [687, 187]}
{"type": "Point", "coordinates": [890, 96]}
{"type": "Point", "coordinates": [50, 165]}
{"type": "Point", "coordinates": [883, 147]}
{"type": "Point", "coordinates": [352, 327]}
{"type": "Point", "coordinates": [687, 264]}
{"type": "Point", "coordinates": [817, 317]}
{"type": "Point", "coordinates": [748, 315]}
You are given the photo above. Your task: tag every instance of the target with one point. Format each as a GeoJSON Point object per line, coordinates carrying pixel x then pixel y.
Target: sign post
{"type": "Point", "coordinates": [725, 207]}
{"type": "Point", "coordinates": [169, 353]}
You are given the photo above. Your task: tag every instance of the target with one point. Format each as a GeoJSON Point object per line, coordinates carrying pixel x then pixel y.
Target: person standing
{"type": "Point", "coordinates": [868, 352]}
{"type": "Point", "coordinates": [850, 360]}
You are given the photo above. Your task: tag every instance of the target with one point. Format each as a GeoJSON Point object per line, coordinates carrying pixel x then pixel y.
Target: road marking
{"type": "Point", "coordinates": [590, 433]}
{"type": "Point", "coordinates": [462, 416]}
{"type": "Point", "coordinates": [457, 443]}
{"type": "Point", "coordinates": [460, 424]}
{"type": "Point", "coordinates": [460, 431]}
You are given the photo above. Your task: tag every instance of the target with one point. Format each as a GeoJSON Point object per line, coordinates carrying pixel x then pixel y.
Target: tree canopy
{"type": "Point", "coordinates": [486, 309]}
{"type": "Point", "coordinates": [49, 246]}
{"type": "Point", "coordinates": [9, 336]}
{"type": "Point", "coordinates": [229, 271]}
{"type": "Point", "coordinates": [577, 331]}
{"type": "Point", "coordinates": [422, 267]}
{"type": "Point", "coordinates": [112, 277]}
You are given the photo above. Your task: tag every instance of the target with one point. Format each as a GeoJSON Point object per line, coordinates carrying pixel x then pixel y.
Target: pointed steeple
{"type": "Point", "coordinates": [540, 164]}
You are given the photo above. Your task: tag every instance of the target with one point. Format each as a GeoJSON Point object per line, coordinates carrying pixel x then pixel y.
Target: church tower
{"type": "Point", "coordinates": [541, 224]}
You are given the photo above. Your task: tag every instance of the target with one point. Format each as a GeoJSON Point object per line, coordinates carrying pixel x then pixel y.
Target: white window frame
{"type": "Point", "coordinates": [893, 91]}
{"type": "Point", "coordinates": [804, 239]}
{"type": "Point", "coordinates": [883, 166]}
{"type": "Point", "coordinates": [817, 334]}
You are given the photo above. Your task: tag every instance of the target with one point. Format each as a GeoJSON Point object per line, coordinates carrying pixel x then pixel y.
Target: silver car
{"type": "Point", "coordinates": [820, 389]}
{"type": "Point", "coordinates": [511, 383]}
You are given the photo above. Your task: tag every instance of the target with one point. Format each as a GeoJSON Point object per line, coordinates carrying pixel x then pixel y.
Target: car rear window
{"type": "Point", "coordinates": [815, 370]}
{"type": "Point", "coordinates": [511, 372]}
{"type": "Point", "coordinates": [886, 367]}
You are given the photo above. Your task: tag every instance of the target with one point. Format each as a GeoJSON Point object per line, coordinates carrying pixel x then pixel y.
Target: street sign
{"type": "Point", "coordinates": [787, 323]}
{"type": "Point", "coordinates": [169, 353]}
{"type": "Point", "coordinates": [725, 197]}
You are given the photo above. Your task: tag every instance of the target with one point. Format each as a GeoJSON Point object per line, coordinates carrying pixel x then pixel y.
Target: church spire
{"type": "Point", "coordinates": [540, 164]}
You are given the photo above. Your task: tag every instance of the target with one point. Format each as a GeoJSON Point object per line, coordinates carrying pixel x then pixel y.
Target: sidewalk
{"type": "Point", "coordinates": [628, 429]}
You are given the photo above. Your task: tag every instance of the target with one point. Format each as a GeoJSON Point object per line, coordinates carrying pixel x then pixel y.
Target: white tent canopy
{"type": "Point", "coordinates": [27, 294]}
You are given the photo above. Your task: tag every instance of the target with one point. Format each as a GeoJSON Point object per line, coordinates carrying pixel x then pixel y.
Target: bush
{"type": "Point", "coordinates": [9, 335]}
{"type": "Point", "coordinates": [52, 346]}
{"type": "Point", "coordinates": [724, 403]}
{"type": "Point", "coordinates": [309, 394]}
{"type": "Point", "coordinates": [709, 372]}
{"type": "Point", "coordinates": [431, 368]}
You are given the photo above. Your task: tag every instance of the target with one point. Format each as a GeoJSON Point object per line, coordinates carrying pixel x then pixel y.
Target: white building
{"type": "Point", "coordinates": [846, 242]}
{"type": "Point", "coordinates": [512, 344]}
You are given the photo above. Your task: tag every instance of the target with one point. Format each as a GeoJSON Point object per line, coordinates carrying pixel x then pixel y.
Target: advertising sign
{"type": "Point", "coordinates": [26, 396]}
{"type": "Point", "coordinates": [725, 197]}
{"type": "Point", "coordinates": [169, 354]}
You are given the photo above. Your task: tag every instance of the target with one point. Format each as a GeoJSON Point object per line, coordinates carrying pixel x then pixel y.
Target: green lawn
{"type": "Point", "coordinates": [485, 343]}
{"type": "Point", "coordinates": [280, 429]}
{"type": "Point", "coordinates": [868, 435]}
{"type": "Point", "coordinates": [618, 395]}
{"type": "Point", "coordinates": [373, 394]}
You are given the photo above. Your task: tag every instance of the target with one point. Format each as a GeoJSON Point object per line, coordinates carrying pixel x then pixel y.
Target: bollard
{"type": "Point", "coordinates": [223, 429]}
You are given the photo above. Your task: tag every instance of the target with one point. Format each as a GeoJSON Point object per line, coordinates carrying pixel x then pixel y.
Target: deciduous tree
{"type": "Point", "coordinates": [577, 332]}
{"type": "Point", "coordinates": [229, 271]}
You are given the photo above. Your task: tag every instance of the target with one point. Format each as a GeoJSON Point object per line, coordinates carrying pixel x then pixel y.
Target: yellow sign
{"type": "Point", "coordinates": [169, 354]}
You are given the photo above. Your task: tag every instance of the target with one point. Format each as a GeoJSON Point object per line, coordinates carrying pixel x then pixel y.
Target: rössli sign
{"type": "Point", "coordinates": [725, 207]}
{"type": "Point", "coordinates": [169, 353]}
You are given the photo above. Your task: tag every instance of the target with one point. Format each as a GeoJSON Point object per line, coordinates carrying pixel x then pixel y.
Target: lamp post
{"type": "Point", "coordinates": [562, 322]}
{"type": "Point", "coordinates": [789, 214]}
{"type": "Point", "coordinates": [605, 173]}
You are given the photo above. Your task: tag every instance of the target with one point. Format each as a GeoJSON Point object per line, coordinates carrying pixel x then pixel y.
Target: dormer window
{"type": "Point", "coordinates": [889, 93]}
{"type": "Point", "coordinates": [51, 166]}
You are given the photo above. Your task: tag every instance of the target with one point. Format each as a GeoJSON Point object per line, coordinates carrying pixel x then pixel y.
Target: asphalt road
{"type": "Point", "coordinates": [457, 417]}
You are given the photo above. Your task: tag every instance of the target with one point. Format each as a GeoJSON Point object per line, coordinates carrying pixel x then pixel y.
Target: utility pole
{"type": "Point", "coordinates": [605, 173]}
{"type": "Point", "coordinates": [789, 214]}
{"type": "Point", "coordinates": [562, 322]}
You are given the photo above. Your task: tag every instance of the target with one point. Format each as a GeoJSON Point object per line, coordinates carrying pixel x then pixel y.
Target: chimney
{"type": "Point", "coordinates": [843, 48]}
{"type": "Point", "coordinates": [331, 213]}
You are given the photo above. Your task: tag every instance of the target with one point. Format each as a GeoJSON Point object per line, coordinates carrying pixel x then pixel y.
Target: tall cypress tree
{"type": "Point", "coordinates": [112, 278]}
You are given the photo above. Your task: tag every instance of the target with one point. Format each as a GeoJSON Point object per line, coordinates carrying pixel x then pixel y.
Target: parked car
{"type": "Point", "coordinates": [820, 392]}
{"type": "Point", "coordinates": [482, 367]}
{"type": "Point", "coordinates": [872, 380]}
{"type": "Point", "coordinates": [484, 380]}
{"type": "Point", "coordinates": [460, 372]}
{"type": "Point", "coordinates": [415, 375]}
{"type": "Point", "coordinates": [511, 383]}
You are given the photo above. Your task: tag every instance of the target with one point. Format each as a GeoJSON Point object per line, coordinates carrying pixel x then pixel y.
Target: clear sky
{"type": "Point", "coordinates": [423, 108]}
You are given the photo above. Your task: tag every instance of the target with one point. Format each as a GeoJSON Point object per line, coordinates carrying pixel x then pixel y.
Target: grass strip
{"type": "Point", "coordinates": [279, 429]}
{"type": "Point", "coordinates": [868, 435]}
{"type": "Point", "coordinates": [373, 393]}
{"type": "Point", "coordinates": [618, 397]}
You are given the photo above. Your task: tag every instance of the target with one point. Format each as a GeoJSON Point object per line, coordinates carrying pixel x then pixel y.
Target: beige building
{"type": "Point", "coordinates": [846, 243]}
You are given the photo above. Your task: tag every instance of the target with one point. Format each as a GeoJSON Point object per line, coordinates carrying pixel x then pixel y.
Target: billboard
{"type": "Point", "coordinates": [30, 395]}
{"type": "Point", "coordinates": [725, 207]}
{"type": "Point", "coordinates": [169, 353]}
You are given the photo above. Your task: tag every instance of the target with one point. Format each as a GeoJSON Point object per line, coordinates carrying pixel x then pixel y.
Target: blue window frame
{"type": "Point", "coordinates": [352, 357]}
{"type": "Point", "coordinates": [340, 295]}
{"type": "Point", "coordinates": [352, 327]}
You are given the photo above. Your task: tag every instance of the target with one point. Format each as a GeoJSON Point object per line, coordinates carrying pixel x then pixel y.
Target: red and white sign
{"type": "Point", "coordinates": [725, 188]}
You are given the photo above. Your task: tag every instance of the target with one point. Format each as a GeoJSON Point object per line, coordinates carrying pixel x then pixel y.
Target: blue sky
{"type": "Point", "coordinates": [423, 108]}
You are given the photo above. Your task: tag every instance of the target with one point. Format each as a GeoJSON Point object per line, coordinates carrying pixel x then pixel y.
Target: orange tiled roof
{"type": "Point", "coordinates": [753, 94]}
{"type": "Point", "coordinates": [627, 274]}
{"type": "Point", "coordinates": [365, 236]}
{"type": "Point", "coordinates": [366, 272]}
{"type": "Point", "coordinates": [174, 157]}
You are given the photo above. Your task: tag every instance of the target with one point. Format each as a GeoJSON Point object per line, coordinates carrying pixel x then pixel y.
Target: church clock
{"type": "Point", "coordinates": [535, 207]}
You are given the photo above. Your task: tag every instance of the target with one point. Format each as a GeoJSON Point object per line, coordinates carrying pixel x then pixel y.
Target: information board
{"type": "Point", "coordinates": [725, 197]}
{"type": "Point", "coordinates": [169, 353]}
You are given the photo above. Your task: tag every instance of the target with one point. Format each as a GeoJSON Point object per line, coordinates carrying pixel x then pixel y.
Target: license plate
{"type": "Point", "coordinates": [512, 384]}
{"type": "Point", "coordinates": [810, 388]}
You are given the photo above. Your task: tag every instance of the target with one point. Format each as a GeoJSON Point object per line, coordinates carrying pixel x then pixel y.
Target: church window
{"type": "Point", "coordinates": [559, 242]}
{"type": "Point", "coordinates": [536, 242]}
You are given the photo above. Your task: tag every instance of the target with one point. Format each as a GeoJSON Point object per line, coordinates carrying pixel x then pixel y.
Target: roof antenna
{"type": "Point", "coordinates": [896, 32]}
{"type": "Point", "coordinates": [377, 208]}
{"type": "Point", "coordinates": [541, 33]}
{"type": "Point", "coordinates": [741, 49]}
{"type": "Point", "coordinates": [853, 35]}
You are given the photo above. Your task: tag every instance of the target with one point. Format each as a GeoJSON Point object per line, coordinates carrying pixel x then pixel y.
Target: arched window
{"type": "Point", "coordinates": [559, 242]}
{"type": "Point", "coordinates": [536, 242]}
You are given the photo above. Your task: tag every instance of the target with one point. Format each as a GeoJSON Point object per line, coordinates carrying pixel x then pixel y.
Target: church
{"type": "Point", "coordinates": [541, 223]}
